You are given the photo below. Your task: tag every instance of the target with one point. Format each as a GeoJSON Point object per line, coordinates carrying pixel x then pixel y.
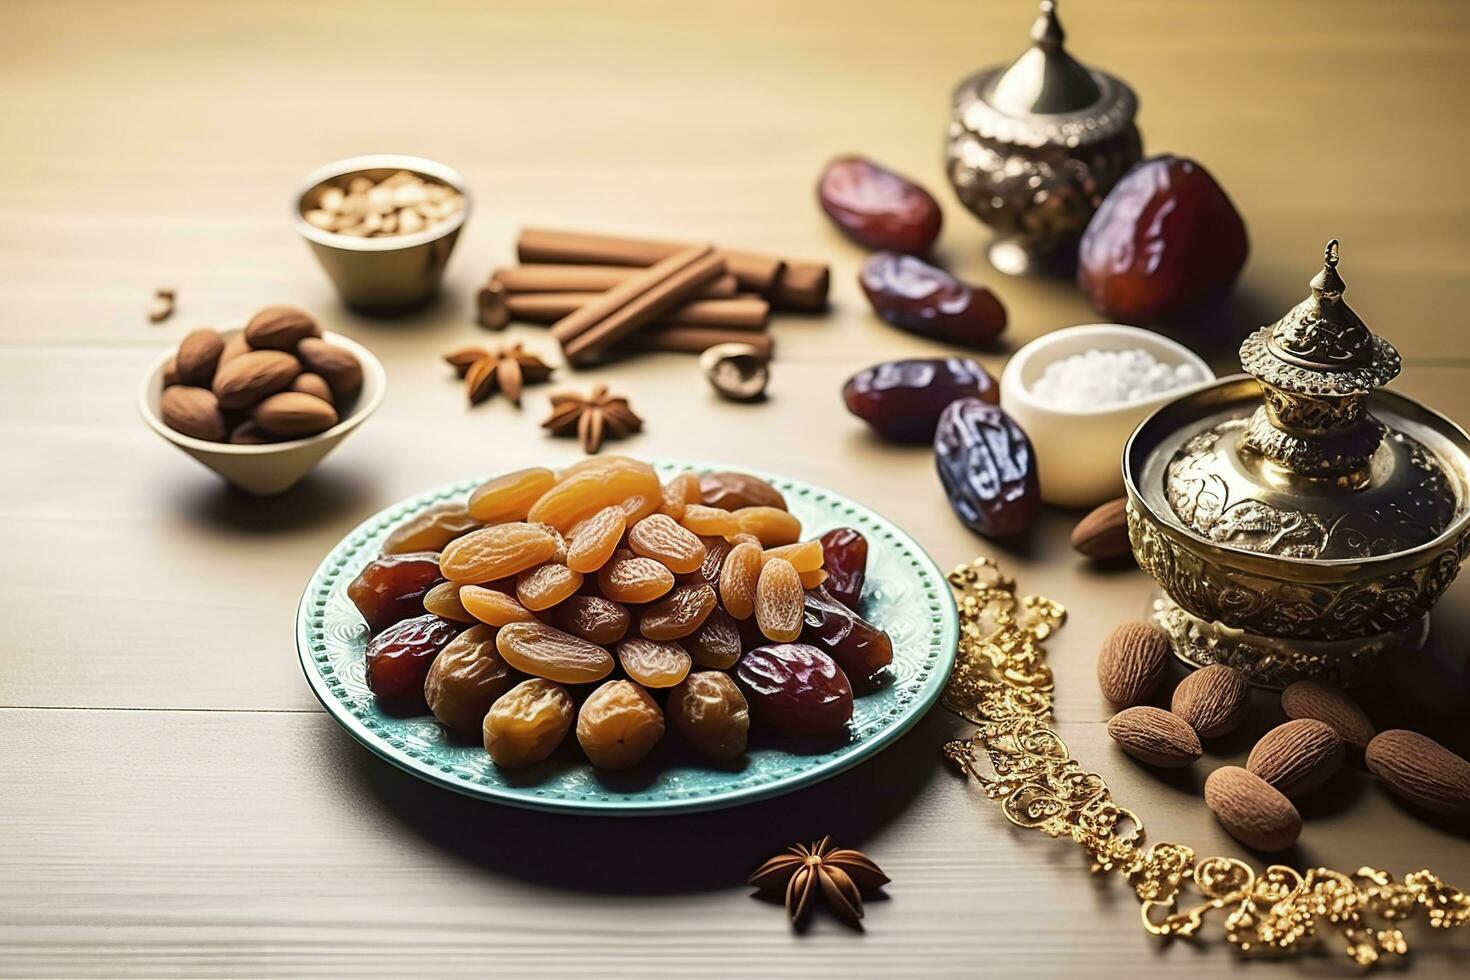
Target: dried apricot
{"type": "Point", "coordinates": [658, 537]}
{"type": "Point", "coordinates": [392, 588]}
{"type": "Point", "coordinates": [709, 520]}
{"type": "Point", "coordinates": [493, 606]}
{"type": "Point", "coordinates": [593, 541]}
{"type": "Point", "coordinates": [709, 710]}
{"type": "Point", "coordinates": [509, 497]}
{"type": "Point", "coordinates": [495, 552]}
{"type": "Point", "coordinates": [528, 722]}
{"type": "Point", "coordinates": [431, 530]}
{"type": "Point", "coordinates": [738, 579]}
{"type": "Point", "coordinates": [618, 725]}
{"type": "Point", "coordinates": [716, 643]}
{"type": "Point", "coordinates": [466, 679]}
{"type": "Point", "coordinates": [545, 651]}
{"type": "Point", "coordinates": [679, 493]}
{"type": "Point", "coordinates": [585, 492]}
{"type": "Point", "coordinates": [628, 578]}
{"type": "Point", "coordinates": [772, 526]}
{"type": "Point", "coordinates": [653, 663]}
{"type": "Point", "coordinates": [779, 599]}
{"type": "Point", "coordinates": [443, 601]}
{"type": "Point", "coordinates": [546, 585]}
{"type": "Point", "coordinates": [677, 614]}
{"type": "Point", "coordinates": [593, 618]}
{"type": "Point", "coordinates": [805, 556]}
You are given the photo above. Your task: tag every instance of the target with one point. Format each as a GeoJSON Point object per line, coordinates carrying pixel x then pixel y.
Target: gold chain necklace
{"type": "Point", "coordinates": [1002, 683]}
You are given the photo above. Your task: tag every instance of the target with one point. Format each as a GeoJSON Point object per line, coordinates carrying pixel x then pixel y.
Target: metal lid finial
{"type": "Point", "coordinates": [1046, 30]}
{"type": "Point", "coordinates": [1045, 79]}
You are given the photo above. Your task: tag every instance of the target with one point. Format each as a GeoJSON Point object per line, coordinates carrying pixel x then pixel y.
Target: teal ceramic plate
{"type": "Point", "coordinates": [906, 594]}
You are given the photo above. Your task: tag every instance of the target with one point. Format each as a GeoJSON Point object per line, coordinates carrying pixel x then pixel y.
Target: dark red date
{"type": "Point", "coordinates": [859, 648]}
{"type": "Point", "coordinates": [877, 208]}
{"type": "Point", "coordinates": [398, 661]}
{"type": "Point", "coordinates": [1166, 239]}
{"type": "Point", "coordinates": [901, 400]}
{"type": "Point", "coordinates": [845, 559]}
{"type": "Point", "coordinates": [796, 690]}
{"type": "Point", "coordinates": [913, 295]}
{"type": "Point", "coordinates": [392, 588]}
{"type": "Point", "coordinates": [988, 469]}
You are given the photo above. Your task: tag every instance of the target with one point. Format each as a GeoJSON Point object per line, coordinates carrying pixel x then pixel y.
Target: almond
{"type": "Point", "coordinates": [1155, 736]}
{"type": "Point", "coordinates": [235, 345]}
{"type": "Point", "coordinates": [247, 433]}
{"type": "Point", "coordinates": [294, 414]}
{"type": "Point", "coordinates": [313, 384]}
{"type": "Point", "coordinates": [171, 372]}
{"type": "Point", "coordinates": [198, 356]}
{"type": "Point", "coordinates": [251, 377]}
{"type": "Point", "coordinates": [1133, 661]}
{"type": "Point", "coordinates": [1421, 771]}
{"type": "Point", "coordinates": [192, 411]}
{"type": "Point", "coordinates": [337, 364]}
{"type": "Point", "coordinates": [1298, 756]}
{"type": "Point", "coordinates": [1103, 534]}
{"type": "Point", "coordinates": [1308, 699]}
{"type": "Point", "coordinates": [1213, 700]}
{"type": "Point", "coordinates": [1252, 810]}
{"type": "Point", "coordinates": [280, 328]}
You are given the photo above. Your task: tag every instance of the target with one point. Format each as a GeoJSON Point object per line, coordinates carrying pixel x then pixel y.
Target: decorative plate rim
{"type": "Point", "coordinates": [331, 574]}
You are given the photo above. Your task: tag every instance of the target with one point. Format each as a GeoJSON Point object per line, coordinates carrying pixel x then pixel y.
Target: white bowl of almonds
{"type": "Point", "coordinates": [261, 406]}
{"type": "Point", "coordinates": [383, 226]}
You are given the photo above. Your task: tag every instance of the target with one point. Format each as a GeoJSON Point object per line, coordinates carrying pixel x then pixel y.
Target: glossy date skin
{"type": "Point", "coordinates": [913, 295]}
{"type": "Point", "coordinates": [845, 559]}
{"type": "Point", "coordinates": [877, 208]}
{"type": "Point", "coordinates": [392, 587]}
{"type": "Point", "coordinates": [1165, 240]}
{"type": "Point", "coordinates": [398, 661]}
{"type": "Point", "coordinates": [859, 648]}
{"type": "Point", "coordinates": [796, 690]}
{"type": "Point", "coordinates": [988, 469]}
{"type": "Point", "coordinates": [902, 400]}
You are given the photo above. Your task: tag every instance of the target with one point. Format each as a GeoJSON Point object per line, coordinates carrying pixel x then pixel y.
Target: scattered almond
{"type": "Point", "coordinates": [280, 328]}
{"type": "Point", "coordinates": [1103, 534]}
{"type": "Point", "coordinates": [198, 356]}
{"type": "Point", "coordinates": [294, 415]}
{"type": "Point", "coordinates": [1155, 736]}
{"type": "Point", "coordinates": [1421, 771]}
{"type": "Point", "coordinates": [1132, 663]}
{"type": "Point", "coordinates": [192, 411]}
{"type": "Point", "coordinates": [338, 365]}
{"type": "Point", "coordinates": [1298, 756]}
{"type": "Point", "coordinates": [251, 377]}
{"type": "Point", "coordinates": [1252, 810]}
{"type": "Point", "coordinates": [1308, 699]}
{"type": "Point", "coordinates": [1213, 700]}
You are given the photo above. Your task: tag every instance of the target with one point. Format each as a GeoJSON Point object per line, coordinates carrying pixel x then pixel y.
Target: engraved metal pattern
{"type": "Point", "coordinates": [1002, 683]}
{"type": "Point", "coordinates": [905, 595]}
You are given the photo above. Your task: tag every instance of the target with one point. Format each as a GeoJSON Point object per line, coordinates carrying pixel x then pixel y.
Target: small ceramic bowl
{"type": "Point", "coordinates": [277, 466]}
{"type": "Point", "coordinates": [393, 273]}
{"type": "Point", "coordinates": [1079, 452]}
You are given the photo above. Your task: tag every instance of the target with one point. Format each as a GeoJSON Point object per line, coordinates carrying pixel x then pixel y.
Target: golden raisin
{"type": "Point", "coordinates": [678, 494]}
{"type": "Point", "coordinates": [509, 497]}
{"type": "Point", "coordinates": [431, 530]}
{"type": "Point", "coordinates": [628, 578]}
{"type": "Point", "coordinates": [618, 725]}
{"type": "Point", "coordinates": [716, 643]}
{"type": "Point", "coordinates": [594, 540]}
{"type": "Point", "coordinates": [709, 520]}
{"type": "Point", "coordinates": [639, 506]}
{"type": "Point", "coordinates": [466, 679]}
{"type": "Point", "coordinates": [495, 552]}
{"type": "Point", "coordinates": [658, 537]}
{"type": "Point", "coordinates": [779, 601]}
{"type": "Point", "coordinates": [544, 651]}
{"type": "Point", "coordinates": [443, 601]}
{"type": "Point", "coordinates": [585, 492]}
{"type": "Point", "coordinates": [593, 618]}
{"type": "Point", "coordinates": [709, 710]}
{"type": "Point", "coordinates": [708, 572]}
{"type": "Point", "coordinates": [772, 526]}
{"type": "Point", "coordinates": [492, 606]}
{"type": "Point", "coordinates": [738, 579]}
{"type": "Point", "coordinates": [653, 663]}
{"type": "Point", "coordinates": [814, 578]}
{"type": "Point", "coordinates": [528, 722]}
{"type": "Point", "coordinates": [546, 585]}
{"type": "Point", "coordinates": [677, 614]}
{"type": "Point", "coordinates": [805, 556]}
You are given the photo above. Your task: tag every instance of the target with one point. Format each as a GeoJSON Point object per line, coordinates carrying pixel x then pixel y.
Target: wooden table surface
{"type": "Point", "coordinates": [173, 799]}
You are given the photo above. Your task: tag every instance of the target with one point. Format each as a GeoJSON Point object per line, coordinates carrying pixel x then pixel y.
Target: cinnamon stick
{"type": "Point", "coordinates": [589, 331]}
{"type": "Point", "coordinates": [802, 286]}
{"type": "Point", "coordinates": [586, 279]}
{"type": "Point", "coordinates": [741, 312]}
{"type": "Point", "coordinates": [696, 340]}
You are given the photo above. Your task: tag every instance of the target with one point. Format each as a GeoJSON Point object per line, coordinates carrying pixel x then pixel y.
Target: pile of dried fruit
{"type": "Point", "coordinates": [694, 603]}
{"type": "Point", "coordinates": [275, 380]}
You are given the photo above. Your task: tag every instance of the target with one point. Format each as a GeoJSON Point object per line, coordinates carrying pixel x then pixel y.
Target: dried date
{"type": "Point", "coordinates": [877, 208]}
{"type": "Point", "coordinates": [845, 559]}
{"type": "Point", "coordinates": [913, 295]}
{"type": "Point", "coordinates": [988, 469]}
{"type": "Point", "coordinates": [902, 400]}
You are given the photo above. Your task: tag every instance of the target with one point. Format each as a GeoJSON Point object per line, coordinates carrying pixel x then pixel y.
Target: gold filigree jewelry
{"type": "Point", "coordinates": [1002, 683]}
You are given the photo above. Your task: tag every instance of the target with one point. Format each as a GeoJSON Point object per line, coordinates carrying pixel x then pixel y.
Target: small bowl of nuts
{"type": "Point", "coordinates": [382, 226]}
{"type": "Point", "coordinates": [261, 406]}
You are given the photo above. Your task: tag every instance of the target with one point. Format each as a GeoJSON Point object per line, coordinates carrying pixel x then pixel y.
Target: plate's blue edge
{"type": "Point", "coordinates": [778, 787]}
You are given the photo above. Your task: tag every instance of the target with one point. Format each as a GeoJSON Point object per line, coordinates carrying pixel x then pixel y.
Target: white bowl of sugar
{"type": "Point", "coordinates": [1079, 392]}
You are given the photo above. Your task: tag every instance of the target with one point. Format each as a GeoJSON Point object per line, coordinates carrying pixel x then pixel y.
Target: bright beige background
{"type": "Point", "coordinates": [174, 800]}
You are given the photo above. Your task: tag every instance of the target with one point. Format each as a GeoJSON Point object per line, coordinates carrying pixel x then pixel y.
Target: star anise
{"type": "Point", "coordinates": [592, 418]}
{"type": "Point", "coordinates": [841, 874]}
{"type": "Point", "coordinates": [507, 369]}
